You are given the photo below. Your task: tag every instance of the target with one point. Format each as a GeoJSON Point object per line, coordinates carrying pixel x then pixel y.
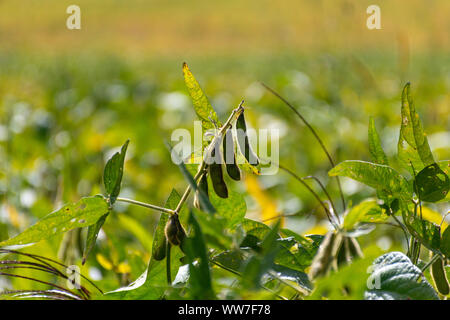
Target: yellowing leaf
{"type": "Point", "coordinates": [317, 229]}
{"type": "Point", "coordinates": [104, 262]}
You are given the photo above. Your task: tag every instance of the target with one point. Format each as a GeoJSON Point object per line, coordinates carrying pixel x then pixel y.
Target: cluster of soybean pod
{"type": "Point", "coordinates": [212, 165]}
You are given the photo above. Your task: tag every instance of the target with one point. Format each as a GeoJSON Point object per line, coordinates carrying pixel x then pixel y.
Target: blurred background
{"type": "Point", "coordinates": [70, 98]}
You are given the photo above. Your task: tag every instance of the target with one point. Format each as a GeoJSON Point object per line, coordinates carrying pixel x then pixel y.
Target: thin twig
{"type": "Point", "coordinates": [330, 159]}
{"type": "Point", "coordinates": [429, 263]}
{"type": "Point", "coordinates": [327, 211]}
{"type": "Point", "coordinates": [146, 205]}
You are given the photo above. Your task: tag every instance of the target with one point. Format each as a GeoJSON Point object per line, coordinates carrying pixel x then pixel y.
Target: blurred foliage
{"type": "Point", "coordinates": [68, 101]}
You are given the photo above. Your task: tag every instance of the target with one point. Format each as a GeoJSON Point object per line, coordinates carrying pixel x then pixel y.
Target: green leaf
{"type": "Point", "coordinates": [432, 184]}
{"type": "Point", "coordinates": [445, 242]}
{"type": "Point", "coordinates": [299, 277]}
{"type": "Point", "coordinates": [260, 264]}
{"type": "Point", "coordinates": [230, 259]}
{"type": "Point", "coordinates": [214, 229]}
{"type": "Point", "coordinates": [412, 145]}
{"type": "Point", "coordinates": [444, 165]}
{"type": "Point", "coordinates": [349, 282]}
{"type": "Point", "coordinates": [254, 233]}
{"type": "Point", "coordinates": [233, 208]}
{"type": "Point", "coordinates": [203, 108]}
{"type": "Point", "coordinates": [375, 149]}
{"type": "Point", "coordinates": [83, 213]}
{"type": "Point", "coordinates": [92, 235]}
{"type": "Point", "coordinates": [380, 177]}
{"type": "Point", "coordinates": [200, 277]}
{"type": "Point", "coordinates": [395, 277]}
{"type": "Point", "coordinates": [427, 232]}
{"type": "Point", "coordinates": [293, 255]}
{"type": "Point", "coordinates": [367, 211]}
{"type": "Point", "coordinates": [137, 229]}
{"type": "Point", "coordinates": [153, 282]}
{"type": "Point", "coordinates": [113, 173]}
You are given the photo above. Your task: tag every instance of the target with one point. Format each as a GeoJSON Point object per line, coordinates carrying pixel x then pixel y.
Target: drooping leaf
{"type": "Point", "coordinates": [82, 213]}
{"type": "Point", "coordinates": [395, 277]}
{"type": "Point", "coordinates": [432, 184]}
{"type": "Point", "coordinates": [413, 147]}
{"type": "Point", "coordinates": [196, 251]}
{"type": "Point", "coordinates": [112, 176]}
{"type": "Point", "coordinates": [92, 235]}
{"type": "Point", "coordinates": [380, 177]}
{"type": "Point", "coordinates": [367, 211]}
{"type": "Point", "coordinates": [375, 149]}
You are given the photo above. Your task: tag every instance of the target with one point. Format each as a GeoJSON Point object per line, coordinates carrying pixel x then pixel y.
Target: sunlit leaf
{"type": "Point", "coordinates": [203, 108]}
{"type": "Point", "coordinates": [380, 177]}
{"type": "Point", "coordinates": [367, 211]}
{"type": "Point", "coordinates": [80, 214]}
{"type": "Point", "coordinates": [413, 147]}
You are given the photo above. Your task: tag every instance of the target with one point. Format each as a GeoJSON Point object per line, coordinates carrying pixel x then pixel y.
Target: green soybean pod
{"type": "Point", "coordinates": [202, 187]}
{"type": "Point", "coordinates": [216, 174]}
{"type": "Point", "coordinates": [174, 230]}
{"type": "Point", "coordinates": [242, 138]}
{"type": "Point", "coordinates": [229, 157]}
{"type": "Point", "coordinates": [439, 277]}
{"type": "Point", "coordinates": [160, 251]}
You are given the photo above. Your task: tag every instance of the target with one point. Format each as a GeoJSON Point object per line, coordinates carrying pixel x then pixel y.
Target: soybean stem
{"type": "Point", "coordinates": [432, 260]}
{"type": "Point", "coordinates": [146, 205]}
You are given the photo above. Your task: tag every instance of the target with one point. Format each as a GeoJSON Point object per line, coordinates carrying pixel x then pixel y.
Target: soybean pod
{"type": "Point", "coordinates": [174, 230]}
{"type": "Point", "coordinates": [202, 187]}
{"type": "Point", "coordinates": [230, 157]}
{"type": "Point", "coordinates": [243, 142]}
{"type": "Point", "coordinates": [439, 277]}
{"type": "Point", "coordinates": [216, 174]}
